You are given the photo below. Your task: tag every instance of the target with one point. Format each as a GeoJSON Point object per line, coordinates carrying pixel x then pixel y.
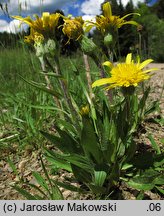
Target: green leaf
{"type": "Point", "coordinates": [154, 144]}
{"type": "Point", "coordinates": [24, 193]}
{"type": "Point", "coordinates": [80, 161]}
{"type": "Point", "coordinates": [89, 141]}
{"type": "Point", "coordinates": [49, 108]}
{"type": "Point", "coordinates": [39, 190]}
{"type": "Point", "coordinates": [140, 196]}
{"type": "Point", "coordinates": [73, 67]}
{"type": "Point", "coordinates": [122, 124]}
{"type": "Point", "coordinates": [68, 140]}
{"type": "Point", "coordinates": [99, 178]}
{"type": "Point", "coordinates": [13, 167]}
{"type": "Point", "coordinates": [97, 189]}
{"type": "Point", "coordinates": [146, 181]}
{"type": "Point", "coordinates": [126, 166]}
{"type": "Point", "coordinates": [65, 142]}
{"type": "Point", "coordinates": [81, 174]}
{"type": "Point", "coordinates": [58, 162]}
{"type": "Point", "coordinates": [114, 174]}
{"type": "Point", "coordinates": [10, 138]}
{"type": "Point", "coordinates": [142, 102]}
{"type": "Point", "coordinates": [56, 193]}
{"type": "Point", "coordinates": [159, 180]}
{"type": "Point", "coordinates": [108, 135]}
{"type": "Point", "coordinates": [41, 181]}
{"type": "Point", "coordinates": [152, 108]}
{"type": "Point", "coordinates": [159, 160]}
{"type": "Point", "coordinates": [51, 74]}
{"type": "Point", "coordinates": [130, 150]}
{"type": "Point", "coordinates": [67, 126]}
{"type": "Point", "coordinates": [43, 88]}
{"type": "Point", "coordinates": [160, 190]}
{"type": "Point", "coordinates": [45, 171]}
{"type": "Point", "coordinates": [70, 187]}
{"type": "Point", "coordinates": [141, 183]}
{"type": "Point", "coordinates": [100, 127]}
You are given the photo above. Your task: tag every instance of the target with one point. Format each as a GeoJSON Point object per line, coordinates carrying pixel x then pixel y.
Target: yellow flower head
{"type": "Point", "coordinates": [125, 74]}
{"type": "Point", "coordinates": [107, 21]}
{"type": "Point", "coordinates": [84, 110]}
{"type": "Point", "coordinates": [34, 37]}
{"type": "Point", "coordinates": [73, 28]}
{"type": "Point", "coordinates": [43, 25]}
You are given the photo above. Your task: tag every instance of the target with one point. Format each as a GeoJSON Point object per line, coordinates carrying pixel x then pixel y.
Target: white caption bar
{"type": "Point", "coordinates": [86, 207]}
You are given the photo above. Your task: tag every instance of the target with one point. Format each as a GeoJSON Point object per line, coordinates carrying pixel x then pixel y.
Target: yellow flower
{"type": "Point", "coordinates": [125, 74]}
{"type": "Point", "coordinates": [43, 25]}
{"type": "Point", "coordinates": [84, 110]}
{"type": "Point", "coordinates": [73, 28]}
{"type": "Point", "coordinates": [107, 21]}
{"type": "Point", "coordinates": [34, 37]}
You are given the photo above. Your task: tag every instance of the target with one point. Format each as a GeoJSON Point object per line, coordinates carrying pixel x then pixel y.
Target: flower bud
{"type": "Point", "coordinates": [108, 39]}
{"type": "Point", "coordinates": [51, 48]}
{"type": "Point", "coordinates": [88, 46]}
{"type": "Point", "coordinates": [39, 48]}
{"type": "Point", "coordinates": [84, 110]}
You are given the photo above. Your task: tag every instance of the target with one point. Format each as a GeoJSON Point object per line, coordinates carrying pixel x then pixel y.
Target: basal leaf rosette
{"type": "Point", "coordinates": [125, 74]}
{"type": "Point", "coordinates": [107, 21]}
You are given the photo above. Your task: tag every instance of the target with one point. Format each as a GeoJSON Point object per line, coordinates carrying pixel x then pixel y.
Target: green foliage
{"type": "Point", "coordinates": [105, 144]}
{"type": "Point", "coordinates": [150, 170]}
{"type": "Point", "coordinates": [47, 188]}
{"type": "Point", "coordinates": [91, 131]}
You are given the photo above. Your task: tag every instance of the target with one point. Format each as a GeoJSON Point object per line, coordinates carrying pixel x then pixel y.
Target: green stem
{"type": "Point", "coordinates": [118, 45]}
{"type": "Point", "coordinates": [66, 94]}
{"type": "Point", "coordinates": [102, 74]}
{"type": "Point", "coordinates": [43, 62]}
{"type": "Point", "coordinates": [88, 75]}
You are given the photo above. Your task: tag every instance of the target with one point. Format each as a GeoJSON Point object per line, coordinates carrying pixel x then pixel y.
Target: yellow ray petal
{"type": "Point", "coordinates": [26, 20]}
{"type": "Point", "coordinates": [130, 15]}
{"type": "Point", "coordinates": [131, 23]}
{"type": "Point", "coordinates": [54, 18]}
{"type": "Point", "coordinates": [152, 69]}
{"type": "Point", "coordinates": [108, 64]}
{"type": "Point", "coordinates": [101, 82]}
{"type": "Point", "coordinates": [45, 18]}
{"type": "Point", "coordinates": [88, 27]}
{"type": "Point", "coordinates": [107, 10]}
{"type": "Point", "coordinates": [129, 58]}
{"type": "Point", "coordinates": [144, 63]}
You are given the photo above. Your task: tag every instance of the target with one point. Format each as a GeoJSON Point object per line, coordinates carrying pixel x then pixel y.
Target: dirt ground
{"type": "Point", "coordinates": [28, 161]}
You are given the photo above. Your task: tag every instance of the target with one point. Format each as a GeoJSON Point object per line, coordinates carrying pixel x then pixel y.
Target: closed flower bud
{"type": "Point", "coordinates": [108, 39]}
{"type": "Point", "coordinates": [84, 110]}
{"type": "Point", "coordinates": [88, 46]}
{"type": "Point", "coordinates": [39, 47]}
{"type": "Point", "coordinates": [51, 47]}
